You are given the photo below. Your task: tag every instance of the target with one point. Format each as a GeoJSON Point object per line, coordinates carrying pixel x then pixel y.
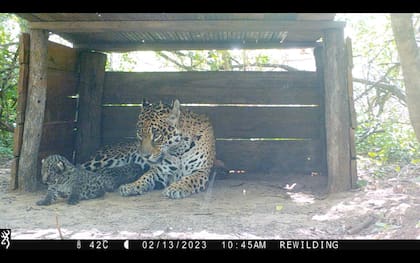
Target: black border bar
{"type": "Point", "coordinates": [234, 244]}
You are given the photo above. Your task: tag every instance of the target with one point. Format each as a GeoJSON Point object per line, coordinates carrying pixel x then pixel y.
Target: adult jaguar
{"type": "Point", "coordinates": [175, 145]}
{"type": "Point", "coordinates": [74, 183]}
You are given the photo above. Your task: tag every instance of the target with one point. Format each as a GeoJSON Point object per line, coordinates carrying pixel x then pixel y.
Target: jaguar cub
{"type": "Point", "coordinates": [74, 183]}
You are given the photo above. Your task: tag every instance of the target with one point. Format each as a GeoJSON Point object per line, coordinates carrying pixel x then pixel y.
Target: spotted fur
{"type": "Point", "coordinates": [175, 146]}
{"type": "Point", "coordinates": [74, 183]}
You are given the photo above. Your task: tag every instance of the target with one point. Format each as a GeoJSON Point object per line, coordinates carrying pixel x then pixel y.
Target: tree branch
{"type": "Point", "coordinates": [371, 131]}
{"type": "Point", "coordinates": [376, 84]}
{"type": "Point", "coordinates": [8, 69]}
{"type": "Point", "coordinates": [6, 127]}
{"type": "Point", "coordinates": [179, 53]}
{"type": "Point", "coordinates": [8, 44]}
{"type": "Point", "coordinates": [163, 55]}
{"type": "Point", "coordinates": [387, 42]}
{"type": "Point", "coordinates": [285, 67]}
{"type": "Point", "coordinates": [390, 88]}
{"type": "Point", "coordinates": [13, 63]}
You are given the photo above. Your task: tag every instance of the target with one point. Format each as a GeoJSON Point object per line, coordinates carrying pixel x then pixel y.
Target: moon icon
{"type": "Point", "coordinates": [126, 244]}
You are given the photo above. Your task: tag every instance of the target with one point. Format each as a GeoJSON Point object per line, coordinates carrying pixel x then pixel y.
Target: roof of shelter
{"type": "Point", "coordinates": [177, 31]}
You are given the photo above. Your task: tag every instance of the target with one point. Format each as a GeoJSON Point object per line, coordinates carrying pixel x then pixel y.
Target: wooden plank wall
{"type": "Point", "coordinates": [59, 119]}
{"type": "Point", "coordinates": [91, 78]}
{"type": "Point", "coordinates": [242, 106]}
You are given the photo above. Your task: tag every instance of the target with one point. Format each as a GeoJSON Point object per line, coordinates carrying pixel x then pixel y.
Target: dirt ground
{"type": "Point", "coordinates": [241, 206]}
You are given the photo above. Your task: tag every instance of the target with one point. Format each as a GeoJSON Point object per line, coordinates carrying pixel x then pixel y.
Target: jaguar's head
{"type": "Point", "coordinates": [158, 129]}
{"type": "Point", "coordinates": [53, 168]}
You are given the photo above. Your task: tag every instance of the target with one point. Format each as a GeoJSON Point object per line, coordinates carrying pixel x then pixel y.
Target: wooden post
{"type": "Point", "coordinates": [337, 115]}
{"type": "Point", "coordinates": [353, 117]}
{"type": "Point", "coordinates": [34, 113]}
{"type": "Point", "coordinates": [319, 60]}
{"type": "Point", "coordinates": [92, 74]}
{"type": "Point", "coordinates": [22, 91]}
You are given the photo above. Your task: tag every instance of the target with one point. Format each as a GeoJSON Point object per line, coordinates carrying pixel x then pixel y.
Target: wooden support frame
{"type": "Point", "coordinates": [333, 61]}
{"type": "Point", "coordinates": [319, 61]}
{"type": "Point", "coordinates": [353, 117]}
{"type": "Point", "coordinates": [337, 111]}
{"type": "Point", "coordinates": [22, 90]}
{"type": "Point", "coordinates": [34, 113]}
{"type": "Point", "coordinates": [91, 81]}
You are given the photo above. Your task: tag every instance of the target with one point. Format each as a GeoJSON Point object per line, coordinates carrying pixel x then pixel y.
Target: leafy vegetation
{"type": "Point", "coordinates": [391, 142]}
{"type": "Point", "coordinates": [384, 132]}
{"type": "Point", "coordinates": [9, 71]}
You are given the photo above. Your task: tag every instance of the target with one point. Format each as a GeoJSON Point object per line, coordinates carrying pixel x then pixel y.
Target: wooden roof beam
{"type": "Point", "coordinates": [153, 46]}
{"type": "Point", "coordinates": [186, 26]}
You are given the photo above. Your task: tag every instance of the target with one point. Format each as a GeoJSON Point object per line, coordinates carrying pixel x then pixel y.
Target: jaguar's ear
{"type": "Point", "coordinates": [60, 165]}
{"type": "Point", "coordinates": [145, 102]}
{"type": "Point", "coordinates": [174, 114]}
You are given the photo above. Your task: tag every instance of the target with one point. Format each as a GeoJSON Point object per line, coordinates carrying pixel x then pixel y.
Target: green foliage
{"type": "Point", "coordinates": [9, 72]}
{"type": "Point", "coordinates": [362, 183]}
{"type": "Point", "coordinates": [262, 59]}
{"type": "Point", "coordinates": [393, 142]}
{"type": "Point", "coordinates": [384, 133]}
{"type": "Point", "coordinates": [120, 61]}
{"type": "Point", "coordinates": [6, 147]}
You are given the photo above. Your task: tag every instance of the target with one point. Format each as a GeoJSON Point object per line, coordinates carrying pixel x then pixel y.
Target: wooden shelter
{"type": "Point", "coordinates": [298, 122]}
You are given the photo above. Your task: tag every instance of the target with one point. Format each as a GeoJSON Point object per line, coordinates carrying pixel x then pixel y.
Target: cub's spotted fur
{"type": "Point", "coordinates": [74, 183]}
